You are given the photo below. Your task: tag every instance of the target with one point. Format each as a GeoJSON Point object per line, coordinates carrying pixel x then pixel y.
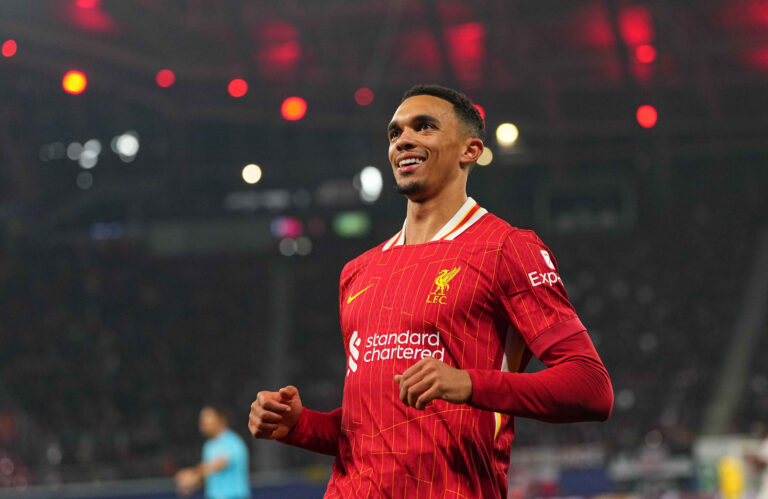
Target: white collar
{"type": "Point", "coordinates": [469, 213]}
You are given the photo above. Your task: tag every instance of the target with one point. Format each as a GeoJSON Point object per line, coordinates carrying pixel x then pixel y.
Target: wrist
{"type": "Point", "coordinates": [467, 387]}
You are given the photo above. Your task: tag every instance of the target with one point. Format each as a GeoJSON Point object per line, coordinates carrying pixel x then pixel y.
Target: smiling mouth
{"type": "Point", "coordinates": [408, 164]}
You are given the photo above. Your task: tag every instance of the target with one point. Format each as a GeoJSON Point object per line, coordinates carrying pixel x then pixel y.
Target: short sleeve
{"type": "Point", "coordinates": [531, 294]}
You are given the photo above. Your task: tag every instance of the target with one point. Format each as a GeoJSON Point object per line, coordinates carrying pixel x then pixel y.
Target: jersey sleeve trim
{"type": "Point", "coordinates": [555, 333]}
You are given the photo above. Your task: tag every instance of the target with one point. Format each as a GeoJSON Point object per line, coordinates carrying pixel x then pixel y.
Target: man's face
{"type": "Point", "coordinates": [210, 422]}
{"type": "Point", "coordinates": [427, 144]}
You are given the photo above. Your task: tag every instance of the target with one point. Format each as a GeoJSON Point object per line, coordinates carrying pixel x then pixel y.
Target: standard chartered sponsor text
{"type": "Point", "coordinates": [405, 345]}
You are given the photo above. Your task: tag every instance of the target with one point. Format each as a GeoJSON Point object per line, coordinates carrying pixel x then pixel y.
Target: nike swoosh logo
{"type": "Point", "coordinates": [349, 300]}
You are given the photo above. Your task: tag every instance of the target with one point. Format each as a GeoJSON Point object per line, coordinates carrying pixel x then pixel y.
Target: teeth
{"type": "Point", "coordinates": [410, 161]}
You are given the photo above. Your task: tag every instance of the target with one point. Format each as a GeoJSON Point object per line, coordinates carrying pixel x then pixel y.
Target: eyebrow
{"type": "Point", "coordinates": [420, 118]}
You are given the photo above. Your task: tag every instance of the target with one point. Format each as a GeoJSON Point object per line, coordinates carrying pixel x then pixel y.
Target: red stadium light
{"type": "Point", "coordinates": [645, 53]}
{"type": "Point", "coordinates": [87, 4]}
{"type": "Point", "coordinates": [294, 108]}
{"type": "Point", "coordinates": [237, 87]}
{"type": "Point", "coordinates": [636, 25]}
{"type": "Point", "coordinates": [9, 48]}
{"type": "Point", "coordinates": [647, 116]}
{"type": "Point", "coordinates": [74, 82]}
{"type": "Point", "coordinates": [364, 96]}
{"type": "Point", "coordinates": [480, 110]}
{"type": "Point", "coordinates": [165, 78]}
{"type": "Point", "coordinates": [466, 50]}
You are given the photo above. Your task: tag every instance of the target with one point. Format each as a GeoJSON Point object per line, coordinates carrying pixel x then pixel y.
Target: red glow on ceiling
{"type": "Point", "coordinates": [9, 48]}
{"type": "Point", "coordinates": [480, 110]}
{"type": "Point", "coordinates": [751, 14]}
{"type": "Point", "coordinates": [165, 78]}
{"type": "Point", "coordinates": [645, 53]}
{"type": "Point", "coordinates": [237, 87]}
{"type": "Point", "coordinates": [279, 49]}
{"type": "Point", "coordinates": [757, 58]}
{"type": "Point", "coordinates": [90, 16]}
{"type": "Point", "coordinates": [420, 51]}
{"type": "Point", "coordinates": [454, 11]}
{"type": "Point", "coordinates": [364, 96]}
{"type": "Point", "coordinates": [74, 82]}
{"type": "Point", "coordinates": [294, 108]}
{"type": "Point", "coordinates": [592, 26]}
{"type": "Point", "coordinates": [636, 25]}
{"type": "Point", "coordinates": [466, 50]}
{"type": "Point", "coordinates": [647, 116]}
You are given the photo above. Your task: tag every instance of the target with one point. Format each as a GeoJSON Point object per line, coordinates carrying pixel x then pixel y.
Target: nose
{"type": "Point", "coordinates": [404, 141]}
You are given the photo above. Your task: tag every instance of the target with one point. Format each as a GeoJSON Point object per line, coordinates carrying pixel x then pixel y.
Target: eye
{"type": "Point", "coordinates": [425, 126]}
{"type": "Point", "coordinates": [393, 134]}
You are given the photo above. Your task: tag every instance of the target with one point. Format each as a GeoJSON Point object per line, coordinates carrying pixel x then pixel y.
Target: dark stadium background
{"type": "Point", "coordinates": [137, 289]}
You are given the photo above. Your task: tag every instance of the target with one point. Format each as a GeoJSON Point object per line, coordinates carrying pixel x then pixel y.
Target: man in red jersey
{"type": "Point", "coordinates": [439, 323]}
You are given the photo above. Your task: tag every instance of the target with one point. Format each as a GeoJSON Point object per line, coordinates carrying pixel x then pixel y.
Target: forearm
{"type": "Point", "coordinates": [316, 431]}
{"type": "Point", "coordinates": [576, 386]}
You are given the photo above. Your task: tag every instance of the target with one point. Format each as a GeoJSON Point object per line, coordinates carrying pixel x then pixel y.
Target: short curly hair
{"type": "Point", "coordinates": [463, 107]}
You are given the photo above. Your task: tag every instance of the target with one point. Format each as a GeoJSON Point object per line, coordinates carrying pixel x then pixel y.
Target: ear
{"type": "Point", "coordinates": [473, 148]}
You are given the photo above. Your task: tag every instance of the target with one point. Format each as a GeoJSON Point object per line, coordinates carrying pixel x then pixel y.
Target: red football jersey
{"type": "Point", "coordinates": [480, 295]}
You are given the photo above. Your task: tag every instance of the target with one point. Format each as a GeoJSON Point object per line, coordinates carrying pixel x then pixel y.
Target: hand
{"type": "Point", "coordinates": [274, 414]}
{"type": "Point", "coordinates": [187, 481]}
{"type": "Point", "coordinates": [430, 379]}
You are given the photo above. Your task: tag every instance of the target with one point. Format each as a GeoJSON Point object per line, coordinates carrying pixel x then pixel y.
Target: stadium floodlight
{"type": "Point", "coordinates": [126, 145]}
{"type": "Point", "coordinates": [74, 82]}
{"type": "Point", "coordinates": [486, 157]}
{"type": "Point", "coordinates": [293, 108]}
{"type": "Point", "coordinates": [88, 159]}
{"type": "Point", "coordinates": [74, 150]}
{"type": "Point", "coordinates": [251, 173]}
{"type": "Point", "coordinates": [507, 134]}
{"type": "Point", "coordinates": [93, 146]}
{"type": "Point", "coordinates": [370, 183]}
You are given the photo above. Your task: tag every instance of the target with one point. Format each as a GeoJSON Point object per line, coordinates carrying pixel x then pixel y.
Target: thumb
{"type": "Point", "coordinates": [288, 393]}
{"type": "Point", "coordinates": [398, 377]}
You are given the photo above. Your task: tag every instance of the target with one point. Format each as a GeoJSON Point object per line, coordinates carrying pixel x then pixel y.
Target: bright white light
{"type": "Point", "coordinates": [74, 150]}
{"type": "Point", "coordinates": [507, 134]}
{"type": "Point", "coordinates": [88, 159]}
{"type": "Point", "coordinates": [486, 157]}
{"type": "Point", "coordinates": [371, 183]}
{"type": "Point", "coordinates": [93, 145]}
{"type": "Point", "coordinates": [127, 144]}
{"type": "Point", "coordinates": [251, 173]}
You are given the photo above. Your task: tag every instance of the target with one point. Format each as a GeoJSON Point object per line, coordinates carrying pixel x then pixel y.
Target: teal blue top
{"type": "Point", "coordinates": [231, 482]}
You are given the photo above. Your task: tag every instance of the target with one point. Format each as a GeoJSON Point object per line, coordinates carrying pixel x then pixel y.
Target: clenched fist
{"type": "Point", "coordinates": [430, 379]}
{"type": "Point", "coordinates": [274, 414]}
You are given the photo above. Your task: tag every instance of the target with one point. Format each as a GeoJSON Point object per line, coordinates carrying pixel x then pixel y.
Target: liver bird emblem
{"type": "Point", "coordinates": [443, 278]}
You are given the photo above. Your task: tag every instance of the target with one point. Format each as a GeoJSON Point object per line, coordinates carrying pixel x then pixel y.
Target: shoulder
{"type": "Point", "coordinates": [494, 230]}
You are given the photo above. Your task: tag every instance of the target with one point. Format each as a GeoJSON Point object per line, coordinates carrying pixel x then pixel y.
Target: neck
{"type": "Point", "coordinates": [218, 432]}
{"type": "Point", "coordinates": [425, 218]}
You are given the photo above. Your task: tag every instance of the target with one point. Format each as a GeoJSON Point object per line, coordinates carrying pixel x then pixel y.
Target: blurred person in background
{"type": "Point", "coordinates": [224, 468]}
{"type": "Point", "coordinates": [439, 323]}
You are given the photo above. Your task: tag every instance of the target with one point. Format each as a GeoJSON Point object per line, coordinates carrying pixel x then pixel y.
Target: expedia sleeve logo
{"type": "Point", "coordinates": [442, 286]}
{"type": "Point", "coordinates": [548, 278]}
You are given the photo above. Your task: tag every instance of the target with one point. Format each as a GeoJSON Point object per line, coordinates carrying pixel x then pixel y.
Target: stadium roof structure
{"type": "Point", "coordinates": [571, 74]}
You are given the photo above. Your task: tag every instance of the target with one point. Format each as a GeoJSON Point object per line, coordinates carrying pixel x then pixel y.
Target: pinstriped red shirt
{"type": "Point", "coordinates": [482, 296]}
